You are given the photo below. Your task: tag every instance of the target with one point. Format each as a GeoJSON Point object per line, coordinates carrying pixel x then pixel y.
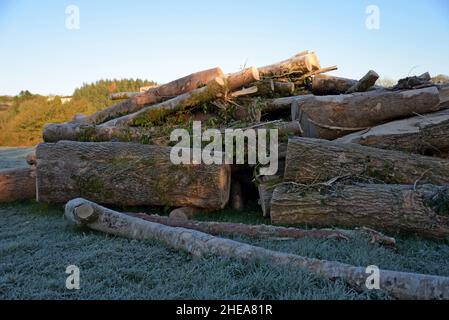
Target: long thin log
{"type": "Point", "coordinates": [127, 174]}
{"type": "Point", "coordinates": [312, 160]}
{"type": "Point", "coordinates": [268, 231]}
{"type": "Point", "coordinates": [400, 285]}
{"type": "Point", "coordinates": [331, 117]}
{"type": "Point", "coordinates": [301, 63]}
{"type": "Point", "coordinates": [407, 209]}
{"type": "Point", "coordinates": [17, 184]}
{"type": "Point", "coordinates": [424, 134]}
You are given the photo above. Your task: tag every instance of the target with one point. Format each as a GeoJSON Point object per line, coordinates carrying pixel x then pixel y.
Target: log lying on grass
{"type": "Point", "coordinates": [331, 117]}
{"type": "Point", "coordinates": [302, 63]}
{"type": "Point", "coordinates": [424, 134]}
{"type": "Point", "coordinates": [156, 95]}
{"type": "Point", "coordinates": [17, 184]}
{"type": "Point", "coordinates": [127, 174]}
{"type": "Point", "coordinates": [312, 160]}
{"type": "Point", "coordinates": [420, 210]}
{"type": "Point", "coordinates": [400, 285]}
{"type": "Point", "coordinates": [269, 232]}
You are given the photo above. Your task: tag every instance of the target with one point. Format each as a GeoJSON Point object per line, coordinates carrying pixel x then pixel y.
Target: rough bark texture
{"type": "Point", "coordinates": [17, 184]}
{"type": "Point", "coordinates": [312, 160]}
{"type": "Point", "coordinates": [303, 62]}
{"type": "Point", "coordinates": [156, 95]}
{"type": "Point", "coordinates": [127, 174]}
{"type": "Point", "coordinates": [424, 134]}
{"type": "Point", "coordinates": [269, 87]}
{"type": "Point", "coordinates": [406, 209]}
{"type": "Point", "coordinates": [268, 231]}
{"type": "Point", "coordinates": [399, 284]}
{"type": "Point", "coordinates": [331, 117]}
{"type": "Point", "coordinates": [96, 133]}
{"type": "Point", "coordinates": [266, 188]}
{"type": "Point", "coordinates": [365, 83]}
{"type": "Point", "coordinates": [329, 85]}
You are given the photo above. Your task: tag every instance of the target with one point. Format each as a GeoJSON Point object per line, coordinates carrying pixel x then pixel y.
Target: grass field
{"type": "Point", "coordinates": [37, 244]}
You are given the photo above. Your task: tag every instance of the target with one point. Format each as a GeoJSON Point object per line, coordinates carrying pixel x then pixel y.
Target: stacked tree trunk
{"type": "Point", "coordinates": [390, 140]}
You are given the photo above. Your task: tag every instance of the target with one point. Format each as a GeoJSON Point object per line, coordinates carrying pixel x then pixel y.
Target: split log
{"type": "Point", "coordinates": [365, 83]}
{"type": "Point", "coordinates": [127, 174]}
{"type": "Point", "coordinates": [184, 213]}
{"type": "Point", "coordinates": [17, 184]}
{"type": "Point", "coordinates": [156, 95]}
{"type": "Point", "coordinates": [399, 284]}
{"type": "Point", "coordinates": [301, 63]}
{"type": "Point", "coordinates": [270, 232]}
{"type": "Point", "coordinates": [407, 209]}
{"type": "Point", "coordinates": [423, 134]}
{"type": "Point", "coordinates": [331, 117]}
{"type": "Point", "coordinates": [330, 85]}
{"type": "Point", "coordinates": [123, 95]}
{"type": "Point", "coordinates": [312, 160]}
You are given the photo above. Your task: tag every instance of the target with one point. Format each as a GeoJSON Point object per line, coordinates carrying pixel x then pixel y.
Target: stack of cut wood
{"type": "Point", "coordinates": [358, 155]}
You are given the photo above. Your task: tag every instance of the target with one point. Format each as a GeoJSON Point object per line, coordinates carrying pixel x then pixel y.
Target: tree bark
{"type": "Point", "coordinates": [330, 85]}
{"type": "Point", "coordinates": [365, 83]}
{"type": "Point", "coordinates": [331, 117]}
{"type": "Point", "coordinates": [311, 160]}
{"type": "Point", "coordinates": [235, 81]}
{"type": "Point", "coordinates": [268, 231]}
{"type": "Point", "coordinates": [423, 134]}
{"type": "Point", "coordinates": [236, 200]}
{"type": "Point", "coordinates": [127, 174]}
{"type": "Point", "coordinates": [17, 184]}
{"type": "Point", "coordinates": [301, 63]}
{"type": "Point", "coordinates": [184, 213]}
{"type": "Point", "coordinates": [269, 87]}
{"type": "Point", "coordinates": [399, 284]}
{"type": "Point", "coordinates": [156, 95]}
{"type": "Point", "coordinates": [407, 209]}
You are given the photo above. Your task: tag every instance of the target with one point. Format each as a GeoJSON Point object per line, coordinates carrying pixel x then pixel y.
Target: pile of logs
{"type": "Point", "coordinates": [351, 154]}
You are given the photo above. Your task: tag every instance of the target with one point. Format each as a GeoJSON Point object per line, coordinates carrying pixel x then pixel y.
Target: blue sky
{"type": "Point", "coordinates": [163, 40]}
